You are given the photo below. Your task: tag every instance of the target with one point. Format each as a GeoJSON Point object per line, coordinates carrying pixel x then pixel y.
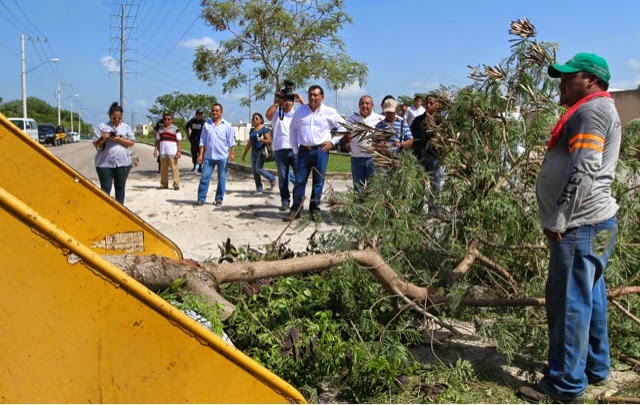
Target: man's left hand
{"type": "Point", "coordinates": [327, 146]}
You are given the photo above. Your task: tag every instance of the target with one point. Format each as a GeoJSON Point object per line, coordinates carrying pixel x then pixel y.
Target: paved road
{"type": "Point", "coordinates": [81, 156]}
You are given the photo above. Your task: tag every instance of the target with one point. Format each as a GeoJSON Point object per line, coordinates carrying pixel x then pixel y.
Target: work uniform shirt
{"type": "Point", "coordinates": [310, 128]}
{"type": "Point", "coordinates": [356, 147]}
{"type": "Point", "coordinates": [217, 139]}
{"type": "Point", "coordinates": [280, 131]}
{"type": "Point", "coordinates": [574, 184]}
{"type": "Point", "coordinates": [195, 129]}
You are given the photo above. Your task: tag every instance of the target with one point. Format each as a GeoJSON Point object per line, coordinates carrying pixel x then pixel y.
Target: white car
{"type": "Point", "coordinates": [74, 137]}
{"type": "Point", "coordinates": [28, 126]}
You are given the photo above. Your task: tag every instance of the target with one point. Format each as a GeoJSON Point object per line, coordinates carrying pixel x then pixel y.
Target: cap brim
{"type": "Point", "coordinates": [556, 70]}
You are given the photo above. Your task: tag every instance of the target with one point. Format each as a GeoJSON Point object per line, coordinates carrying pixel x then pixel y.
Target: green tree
{"type": "Point", "coordinates": [180, 105]}
{"type": "Point", "coordinates": [276, 40]}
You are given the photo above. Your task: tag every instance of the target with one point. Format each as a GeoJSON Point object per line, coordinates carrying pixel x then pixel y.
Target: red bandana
{"type": "Point", "coordinates": [557, 129]}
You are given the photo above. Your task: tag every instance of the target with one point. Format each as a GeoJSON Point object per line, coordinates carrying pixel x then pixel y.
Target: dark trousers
{"type": "Point", "coordinates": [113, 176]}
{"type": "Point", "coordinates": [195, 148]}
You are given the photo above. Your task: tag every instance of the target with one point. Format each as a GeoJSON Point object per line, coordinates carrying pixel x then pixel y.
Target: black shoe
{"type": "Point", "coordinates": [598, 382]}
{"type": "Point", "coordinates": [284, 207]}
{"type": "Point", "coordinates": [534, 395]}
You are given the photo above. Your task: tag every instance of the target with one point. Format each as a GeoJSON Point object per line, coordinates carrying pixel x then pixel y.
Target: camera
{"type": "Point", "coordinates": [113, 134]}
{"type": "Point", "coordinates": [286, 93]}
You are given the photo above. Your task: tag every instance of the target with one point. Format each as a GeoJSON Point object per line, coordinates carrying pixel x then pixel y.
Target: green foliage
{"type": "Point", "coordinates": [43, 113]}
{"type": "Point", "coordinates": [182, 106]}
{"type": "Point", "coordinates": [339, 327]}
{"type": "Point", "coordinates": [270, 41]}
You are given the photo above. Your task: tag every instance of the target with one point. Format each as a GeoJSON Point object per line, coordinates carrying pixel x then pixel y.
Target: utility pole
{"type": "Point", "coordinates": [122, 49]}
{"type": "Point", "coordinates": [58, 96]}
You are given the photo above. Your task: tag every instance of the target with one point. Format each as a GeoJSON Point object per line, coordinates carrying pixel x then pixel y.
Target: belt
{"type": "Point", "coordinates": [304, 147]}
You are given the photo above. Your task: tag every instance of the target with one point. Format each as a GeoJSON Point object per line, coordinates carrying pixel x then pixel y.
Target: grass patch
{"type": "Point", "coordinates": [338, 163]}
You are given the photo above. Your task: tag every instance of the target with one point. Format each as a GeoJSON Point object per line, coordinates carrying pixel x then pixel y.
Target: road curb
{"type": "Point", "coordinates": [247, 169]}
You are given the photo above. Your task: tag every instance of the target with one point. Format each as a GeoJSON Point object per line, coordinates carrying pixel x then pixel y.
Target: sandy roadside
{"type": "Point", "coordinates": [245, 217]}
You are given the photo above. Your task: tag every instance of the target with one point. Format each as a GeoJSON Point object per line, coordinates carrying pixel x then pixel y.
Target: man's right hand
{"type": "Point", "coordinates": [199, 159]}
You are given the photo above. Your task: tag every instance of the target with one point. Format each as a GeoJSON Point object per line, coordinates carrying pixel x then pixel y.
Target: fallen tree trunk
{"type": "Point", "coordinates": [158, 273]}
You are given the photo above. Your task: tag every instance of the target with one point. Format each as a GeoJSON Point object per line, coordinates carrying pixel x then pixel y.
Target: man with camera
{"type": "Point", "coordinates": [310, 134]}
{"type": "Point", "coordinates": [280, 114]}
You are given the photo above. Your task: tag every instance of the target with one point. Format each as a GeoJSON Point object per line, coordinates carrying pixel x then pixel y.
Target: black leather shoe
{"type": "Point", "coordinates": [534, 395]}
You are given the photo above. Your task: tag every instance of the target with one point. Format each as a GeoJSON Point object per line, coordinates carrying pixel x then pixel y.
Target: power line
{"type": "Point", "coordinates": [27, 18]}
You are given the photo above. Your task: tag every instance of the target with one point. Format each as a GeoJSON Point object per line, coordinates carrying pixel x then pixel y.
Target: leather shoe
{"type": "Point", "coordinates": [534, 395]}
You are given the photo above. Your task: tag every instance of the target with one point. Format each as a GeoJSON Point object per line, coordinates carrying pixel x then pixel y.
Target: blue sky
{"type": "Point", "coordinates": [409, 46]}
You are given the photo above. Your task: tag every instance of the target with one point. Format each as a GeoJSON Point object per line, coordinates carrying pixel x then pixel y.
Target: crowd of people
{"type": "Point", "coordinates": [577, 210]}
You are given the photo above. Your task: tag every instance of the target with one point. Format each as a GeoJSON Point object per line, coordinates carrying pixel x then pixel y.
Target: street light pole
{"type": "Point", "coordinates": [58, 93]}
{"type": "Point", "coordinates": [23, 60]}
{"type": "Point", "coordinates": [71, 102]}
{"type": "Point", "coordinates": [80, 121]}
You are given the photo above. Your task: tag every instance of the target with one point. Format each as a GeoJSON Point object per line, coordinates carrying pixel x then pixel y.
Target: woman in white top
{"type": "Point", "coordinates": [112, 140]}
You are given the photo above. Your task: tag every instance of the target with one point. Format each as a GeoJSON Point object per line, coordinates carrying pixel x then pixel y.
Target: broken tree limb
{"type": "Point", "coordinates": [629, 360]}
{"type": "Point", "coordinates": [464, 266]}
{"type": "Point", "coordinates": [158, 273]}
{"type": "Point", "coordinates": [624, 311]}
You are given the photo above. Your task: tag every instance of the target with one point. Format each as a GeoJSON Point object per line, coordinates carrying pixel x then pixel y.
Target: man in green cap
{"type": "Point", "coordinates": [578, 215]}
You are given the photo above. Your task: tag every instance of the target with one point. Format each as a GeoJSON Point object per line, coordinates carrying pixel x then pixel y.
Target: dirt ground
{"type": "Point", "coordinates": [245, 217]}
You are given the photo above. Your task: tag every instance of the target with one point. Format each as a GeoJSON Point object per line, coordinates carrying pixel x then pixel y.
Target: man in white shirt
{"type": "Point", "coordinates": [361, 161]}
{"type": "Point", "coordinates": [310, 136]}
{"type": "Point", "coordinates": [168, 148]}
{"type": "Point", "coordinates": [217, 148]}
{"type": "Point", "coordinates": [415, 110]}
{"type": "Point", "coordinates": [280, 114]}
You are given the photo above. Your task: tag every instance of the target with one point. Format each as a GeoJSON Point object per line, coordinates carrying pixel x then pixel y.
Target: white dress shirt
{"type": "Point", "coordinates": [372, 120]}
{"type": "Point", "coordinates": [310, 128]}
{"type": "Point", "coordinates": [413, 112]}
{"type": "Point", "coordinates": [280, 131]}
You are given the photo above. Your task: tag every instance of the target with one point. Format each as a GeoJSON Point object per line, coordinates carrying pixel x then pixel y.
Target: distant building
{"type": "Point", "coordinates": [627, 104]}
{"type": "Point", "coordinates": [143, 129]}
{"type": "Point", "coordinates": [242, 131]}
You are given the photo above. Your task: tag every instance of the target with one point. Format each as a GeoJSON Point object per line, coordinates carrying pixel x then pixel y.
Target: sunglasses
{"type": "Point", "coordinates": [167, 119]}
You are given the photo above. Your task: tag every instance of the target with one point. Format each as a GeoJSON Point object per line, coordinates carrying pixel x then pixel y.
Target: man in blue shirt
{"type": "Point", "coordinates": [403, 138]}
{"type": "Point", "coordinates": [217, 148]}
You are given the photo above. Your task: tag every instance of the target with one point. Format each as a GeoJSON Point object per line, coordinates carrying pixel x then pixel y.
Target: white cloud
{"type": "Point", "coordinates": [352, 90]}
{"type": "Point", "coordinates": [110, 64]}
{"type": "Point", "coordinates": [141, 103]}
{"type": "Point", "coordinates": [616, 85]}
{"type": "Point", "coordinates": [193, 43]}
{"type": "Point", "coordinates": [423, 86]}
{"type": "Point", "coordinates": [634, 63]}
{"type": "Point", "coordinates": [233, 96]}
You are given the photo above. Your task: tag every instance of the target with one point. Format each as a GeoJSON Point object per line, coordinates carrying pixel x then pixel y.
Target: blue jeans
{"type": "Point", "coordinates": [116, 176]}
{"type": "Point", "coordinates": [312, 162]}
{"type": "Point", "coordinates": [361, 170]}
{"type": "Point", "coordinates": [207, 170]}
{"type": "Point", "coordinates": [257, 164]}
{"type": "Point", "coordinates": [286, 164]}
{"type": "Point", "coordinates": [576, 303]}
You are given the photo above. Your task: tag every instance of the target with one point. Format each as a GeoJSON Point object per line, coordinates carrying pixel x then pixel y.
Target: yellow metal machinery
{"type": "Point", "coordinates": [74, 328]}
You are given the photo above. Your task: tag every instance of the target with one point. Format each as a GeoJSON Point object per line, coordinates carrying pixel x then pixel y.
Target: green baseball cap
{"type": "Point", "coordinates": [582, 62]}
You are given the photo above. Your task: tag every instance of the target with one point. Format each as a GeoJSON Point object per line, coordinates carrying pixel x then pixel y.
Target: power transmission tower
{"type": "Point", "coordinates": [122, 24]}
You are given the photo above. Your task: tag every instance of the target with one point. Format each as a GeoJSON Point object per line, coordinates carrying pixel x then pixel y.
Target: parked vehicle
{"type": "Point", "coordinates": [58, 137]}
{"type": "Point", "coordinates": [73, 137]}
{"type": "Point", "coordinates": [29, 126]}
{"type": "Point", "coordinates": [45, 130]}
